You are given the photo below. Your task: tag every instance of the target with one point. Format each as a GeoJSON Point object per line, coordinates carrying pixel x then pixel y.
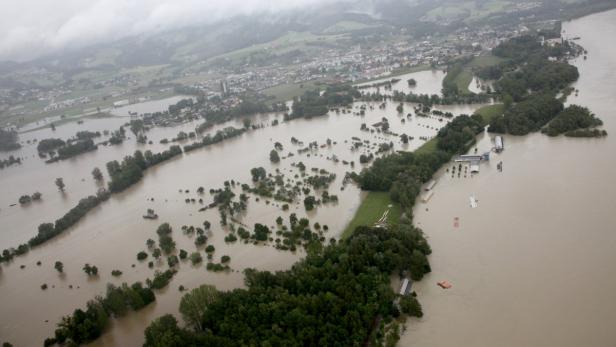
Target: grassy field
{"type": "Point", "coordinates": [346, 26]}
{"type": "Point", "coordinates": [371, 210]}
{"type": "Point", "coordinates": [490, 111]}
{"type": "Point", "coordinates": [463, 80]}
{"type": "Point", "coordinates": [427, 147]}
{"type": "Point", "coordinates": [485, 60]}
{"type": "Point", "coordinates": [467, 11]}
{"type": "Point", "coordinates": [285, 92]}
{"type": "Point", "coordinates": [465, 77]}
{"type": "Point", "coordinates": [397, 72]}
{"type": "Point", "coordinates": [288, 42]}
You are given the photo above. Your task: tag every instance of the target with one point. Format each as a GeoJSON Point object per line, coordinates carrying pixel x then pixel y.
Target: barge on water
{"type": "Point", "coordinates": [150, 214]}
{"type": "Point", "coordinates": [498, 144]}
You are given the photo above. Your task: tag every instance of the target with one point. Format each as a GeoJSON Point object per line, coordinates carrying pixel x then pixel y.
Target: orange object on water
{"type": "Point", "coordinates": [444, 284]}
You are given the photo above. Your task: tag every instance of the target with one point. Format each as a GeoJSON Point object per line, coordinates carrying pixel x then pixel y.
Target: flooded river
{"type": "Point", "coordinates": [111, 235]}
{"type": "Point", "coordinates": [531, 265]}
{"type": "Point", "coordinates": [534, 263]}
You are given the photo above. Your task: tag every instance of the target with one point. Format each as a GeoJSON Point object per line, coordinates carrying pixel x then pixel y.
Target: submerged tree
{"type": "Point", "coordinates": [97, 174]}
{"type": "Point", "coordinates": [274, 158]}
{"type": "Point", "coordinates": [60, 183]}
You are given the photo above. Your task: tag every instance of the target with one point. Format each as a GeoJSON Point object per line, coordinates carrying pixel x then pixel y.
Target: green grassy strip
{"type": "Point", "coordinates": [490, 111]}
{"type": "Point", "coordinates": [485, 60]}
{"type": "Point", "coordinates": [370, 211]}
{"type": "Point", "coordinates": [397, 72]}
{"type": "Point", "coordinates": [375, 203]}
{"type": "Point", "coordinates": [463, 80]}
{"type": "Point", "coordinates": [285, 92]}
{"type": "Point", "coordinates": [427, 147]}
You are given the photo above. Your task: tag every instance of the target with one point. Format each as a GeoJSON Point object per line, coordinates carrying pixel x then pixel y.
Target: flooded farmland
{"type": "Point", "coordinates": [111, 235]}
{"type": "Point", "coordinates": [533, 264]}
{"type": "Point", "coordinates": [426, 82]}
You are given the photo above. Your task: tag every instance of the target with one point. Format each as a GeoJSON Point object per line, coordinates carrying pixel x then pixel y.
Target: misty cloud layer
{"type": "Point", "coordinates": [31, 28]}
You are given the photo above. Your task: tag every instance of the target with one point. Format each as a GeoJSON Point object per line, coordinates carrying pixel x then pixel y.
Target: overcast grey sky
{"type": "Point", "coordinates": [30, 28]}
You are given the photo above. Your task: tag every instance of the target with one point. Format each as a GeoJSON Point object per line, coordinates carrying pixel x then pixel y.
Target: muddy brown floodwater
{"type": "Point", "coordinates": [535, 263]}
{"type": "Point", "coordinates": [427, 82]}
{"type": "Point", "coordinates": [111, 235]}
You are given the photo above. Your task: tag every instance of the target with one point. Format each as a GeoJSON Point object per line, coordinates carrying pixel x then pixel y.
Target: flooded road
{"type": "Point", "coordinates": [112, 234]}
{"type": "Point", "coordinates": [535, 263]}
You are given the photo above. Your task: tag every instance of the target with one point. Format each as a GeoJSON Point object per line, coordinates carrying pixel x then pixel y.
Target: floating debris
{"type": "Point", "coordinates": [150, 214]}
{"type": "Point", "coordinates": [444, 284]}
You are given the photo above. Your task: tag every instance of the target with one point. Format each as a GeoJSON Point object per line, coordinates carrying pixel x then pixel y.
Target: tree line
{"type": "Point", "coordinates": [429, 100]}
{"type": "Point", "coordinates": [220, 135]}
{"type": "Point", "coordinates": [87, 325]}
{"type": "Point", "coordinates": [73, 149]}
{"type": "Point", "coordinates": [8, 140]}
{"type": "Point", "coordinates": [130, 170]}
{"type": "Point", "coordinates": [315, 103]}
{"type": "Point", "coordinates": [10, 161]}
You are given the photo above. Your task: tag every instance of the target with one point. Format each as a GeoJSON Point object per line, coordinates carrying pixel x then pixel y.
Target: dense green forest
{"type": "Point", "coordinates": [527, 116]}
{"type": "Point", "coordinates": [332, 297]}
{"type": "Point", "coordinates": [531, 66]}
{"type": "Point", "coordinates": [531, 76]}
{"type": "Point", "coordinates": [573, 119]}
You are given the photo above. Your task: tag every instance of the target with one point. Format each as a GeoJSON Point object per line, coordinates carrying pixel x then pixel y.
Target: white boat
{"type": "Point", "coordinates": [498, 142]}
{"type": "Point", "coordinates": [430, 185]}
{"type": "Point", "coordinates": [426, 197]}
